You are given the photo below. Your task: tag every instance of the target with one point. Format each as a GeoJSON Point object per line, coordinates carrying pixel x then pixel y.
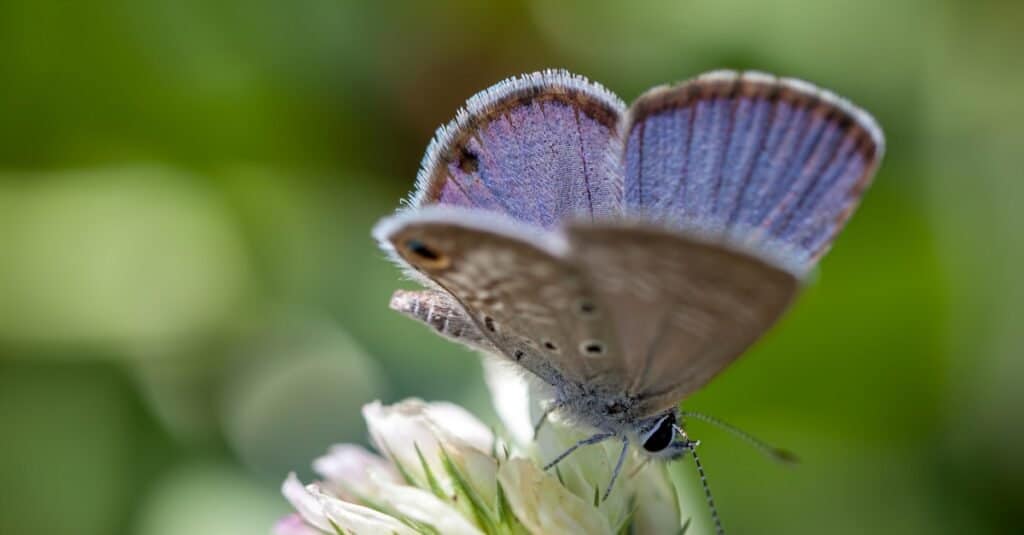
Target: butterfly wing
{"type": "Point", "coordinates": [747, 179]}
{"type": "Point", "coordinates": [516, 285]}
{"type": "Point", "coordinates": [743, 180]}
{"type": "Point", "coordinates": [538, 148]}
{"type": "Point", "coordinates": [773, 162]}
{"type": "Point", "coordinates": [682, 309]}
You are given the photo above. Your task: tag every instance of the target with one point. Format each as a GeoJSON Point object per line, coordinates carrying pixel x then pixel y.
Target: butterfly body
{"type": "Point", "coordinates": [606, 409]}
{"type": "Point", "coordinates": [625, 256]}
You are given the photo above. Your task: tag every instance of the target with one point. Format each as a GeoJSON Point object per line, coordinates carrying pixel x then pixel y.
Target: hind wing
{"type": "Point", "coordinates": [680, 308]}
{"type": "Point", "coordinates": [516, 286]}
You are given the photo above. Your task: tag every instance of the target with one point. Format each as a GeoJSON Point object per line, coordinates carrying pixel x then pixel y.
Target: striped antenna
{"type": "Point", "coordinates": [692, 446]}
{"type": "Point", "coordinates": [777, 454]}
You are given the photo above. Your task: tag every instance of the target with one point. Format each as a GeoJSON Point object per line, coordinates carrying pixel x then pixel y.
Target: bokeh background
{"type": "Point", "coordinates": [191, 304]}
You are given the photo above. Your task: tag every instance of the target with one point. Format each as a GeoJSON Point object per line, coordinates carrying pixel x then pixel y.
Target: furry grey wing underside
{"type": "Point", "coordinates": [519, 290]}
{"type": "Point", "coordinates": [682, 309]}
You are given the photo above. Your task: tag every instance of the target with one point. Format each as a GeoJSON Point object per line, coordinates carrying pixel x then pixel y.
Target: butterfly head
{"type": "Point", "coordinates": [659, 437]}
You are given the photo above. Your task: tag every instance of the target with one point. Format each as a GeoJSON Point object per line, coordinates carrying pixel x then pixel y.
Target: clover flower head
{"type": "Point", "coordinates": [440, 470]}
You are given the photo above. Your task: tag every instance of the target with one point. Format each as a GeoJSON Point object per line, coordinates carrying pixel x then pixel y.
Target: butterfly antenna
{"type": "Point", "coordinates": [776, 454]}
{"type": "Point", "coordinates": [692, 446]}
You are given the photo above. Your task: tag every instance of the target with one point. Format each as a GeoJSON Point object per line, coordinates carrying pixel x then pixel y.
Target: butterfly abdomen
{"type": "Point", "coordinates": [442, 313]}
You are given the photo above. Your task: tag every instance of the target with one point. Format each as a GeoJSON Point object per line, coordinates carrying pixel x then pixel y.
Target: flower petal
{"type": "Point", "coordinates": [543, 505]}
{"type": "Point", "coordinates": [423, 507]}
{"type": "Point", "coordinates": [460, 424]}
{"type": "Point", "coordinates": [399, 429]}
{"type": "Point", "coordinates": [359, 520]}
{"type": "Point", "coordinates": [294, 525]}
{"type": "Point", "coordinates": [349, 471]}
{"type": "Point", "coordinates": [305, 503]}
{"type": "Point", "coordinates": [324, 512]}
{"type": "Point", "coordinates": [512, 399]}
{"type": "Point", "coordinates": [657, 503]}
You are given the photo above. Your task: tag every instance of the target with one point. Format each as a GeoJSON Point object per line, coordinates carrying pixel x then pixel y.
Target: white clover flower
{"type": "Point", "coordinates": [441, 471]}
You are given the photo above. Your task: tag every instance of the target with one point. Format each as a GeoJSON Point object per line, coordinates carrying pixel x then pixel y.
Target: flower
{"type": "Point", "coordinates": [438, 469]}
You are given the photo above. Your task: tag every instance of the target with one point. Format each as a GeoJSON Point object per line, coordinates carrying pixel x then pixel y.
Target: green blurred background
{"type": "Point", "coordinates": [191, 304]}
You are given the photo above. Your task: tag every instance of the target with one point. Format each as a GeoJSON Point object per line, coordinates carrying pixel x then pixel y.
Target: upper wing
{"type": "Point", "coordinates": [682, 309]}
{"type": "Point", "coordinates": [538, 148]}
{"type": "Point", "coordinates": [514, 282]}
{"type": "Point", "coordinates": [772, 161]}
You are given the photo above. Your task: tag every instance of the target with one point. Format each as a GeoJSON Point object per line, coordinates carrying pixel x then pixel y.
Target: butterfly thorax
{"type": "Point", "coordinates": [620, 416]}
{"type": "Point", "coordinates": [612, 412]}
{"type": "Point", "coordinates": [596, 407]}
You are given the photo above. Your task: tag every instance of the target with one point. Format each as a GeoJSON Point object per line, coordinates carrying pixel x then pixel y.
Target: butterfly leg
{"type": "Point", "coordinates": [600, 437]}
{"type": "Point", "coordinates": [618, 468]}
{"type": "Point", "coordinates": [543, 418]}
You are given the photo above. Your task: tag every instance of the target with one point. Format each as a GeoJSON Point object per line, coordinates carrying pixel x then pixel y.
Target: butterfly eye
{"type": "Point", "coordinates": [425, 256]}
{"type": "Point", "coordinates": [660, 439]}
{"type": "Point", "coordinates": [662, 436]}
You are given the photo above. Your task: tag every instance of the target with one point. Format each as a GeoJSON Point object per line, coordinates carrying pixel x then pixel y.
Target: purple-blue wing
{"type": "Point", "coordinates": [774, 163]}
{"type": "Point", "coordinates": [539, 148]}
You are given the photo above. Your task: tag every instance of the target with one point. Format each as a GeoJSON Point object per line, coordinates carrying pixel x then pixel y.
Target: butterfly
{"type": "Point", "coordinates": [626, 255]}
